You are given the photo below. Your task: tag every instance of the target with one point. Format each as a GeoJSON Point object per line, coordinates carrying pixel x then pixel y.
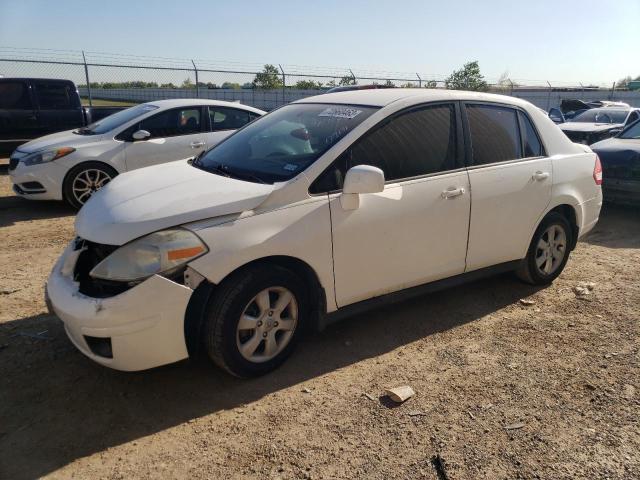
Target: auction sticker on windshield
{"type": "Point", "coordinates": [340, 112]}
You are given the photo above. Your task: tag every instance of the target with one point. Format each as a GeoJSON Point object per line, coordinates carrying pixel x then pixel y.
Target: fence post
{"type": "Point", "coordinates": [195, 69]}
{"type": "Point", "coordinates": [549, 97]}
{"type": "Point", "coordinates": [86, 76]}
{"type": "Point", "coordinates": [613, 91]}
{"type": "Point", "coordinates": [284, 84]}
{"type": "Point", "coordinates": [511, 87]}
{"type": "Point", "coordinates": [353, 76]}
{"type": "Point", "coordinates": [419, 80]}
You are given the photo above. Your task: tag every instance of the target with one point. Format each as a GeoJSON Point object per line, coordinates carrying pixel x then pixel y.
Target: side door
{"type": "Point", "coordinates": [176, 134]}
{"type": "Point", "coordinates": [18, 119]}
{"type": "Point", "coordinates": [59, 106]}
{"type": "Point", "coordinates": [415, 231]}
{"type": "Point", "coordinates": [511, 181]}
{"type": "Point", "coordinates": [223, 121]}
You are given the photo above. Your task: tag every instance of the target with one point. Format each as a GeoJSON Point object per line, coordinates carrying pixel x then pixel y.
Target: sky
{"type": "Point", "coordinates": [585, 41]}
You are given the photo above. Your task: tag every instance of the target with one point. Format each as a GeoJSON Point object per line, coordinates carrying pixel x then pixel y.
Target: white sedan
{"type": "Point", "coordinates": [322, 208]}
{"type": "Point", "coordinates": [72, 165]}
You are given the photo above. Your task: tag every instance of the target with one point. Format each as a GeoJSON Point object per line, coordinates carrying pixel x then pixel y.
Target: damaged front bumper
{"type": "Point", "coordinates": [138, 329]}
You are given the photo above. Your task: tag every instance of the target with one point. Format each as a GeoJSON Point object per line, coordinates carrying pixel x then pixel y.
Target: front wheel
{"type": "Point", "coordinates": [255, 320]}
{"type": "Point", "coordinates": [84, 180]}
{"type": "Point", "coordinates": [548, 252]}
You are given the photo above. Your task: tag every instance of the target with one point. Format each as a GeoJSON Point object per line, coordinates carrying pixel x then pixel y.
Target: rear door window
{"type": "Point", "coordinates": [56, 96]}
{"type": "Point", "coordinates": [15, 96]}
{"type": "Point", "coordinates": [530, 140]}
{"type": "Point", "coordinates": [495, 134]}
{"type": "Point", "coordinates": [172, 123]}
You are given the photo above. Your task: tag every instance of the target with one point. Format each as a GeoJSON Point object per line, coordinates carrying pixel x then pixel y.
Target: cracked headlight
{"type": "Point", "coordinates": [161, 252]}
{"type": "Point", "coordinates": [45, 156]}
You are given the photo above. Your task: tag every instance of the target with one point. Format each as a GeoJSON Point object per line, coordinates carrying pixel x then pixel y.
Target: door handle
{"type": "Point", "coordinates": [453, 192]}
{"type": "Point", "coordinates": [197, 144]}
{"type": "Point", "coordinates": [539, 176]}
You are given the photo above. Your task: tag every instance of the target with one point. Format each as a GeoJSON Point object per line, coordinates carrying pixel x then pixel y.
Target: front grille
{"type": "Point", "coordinates": [91, 256]}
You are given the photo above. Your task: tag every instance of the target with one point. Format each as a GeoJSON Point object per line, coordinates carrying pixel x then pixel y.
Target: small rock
{"type": "Point", "coordinates": [572, 324]}
{"type": "Point", "coordinates": [415, 413]}
{"type": "Point", "coordinates": [400, 394]}
{"type": "Point", "coordinates": [524, 301]}
{"type": "Point", "coordinates": [608, 355]}
{"type": "Point", "coordinates": [369, 396]}
{"type": "Point", "coordinates": [306, 390]}
{"type": "Point", "coordinates": [514, 426]}
{"type": "Point", "coordinates": [581, 291]}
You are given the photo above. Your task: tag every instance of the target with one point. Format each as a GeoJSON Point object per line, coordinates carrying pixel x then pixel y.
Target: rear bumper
{"type": "Point", "coordinates": [144, 325]}
{"type": "Point", "coordinates": [590, 214]}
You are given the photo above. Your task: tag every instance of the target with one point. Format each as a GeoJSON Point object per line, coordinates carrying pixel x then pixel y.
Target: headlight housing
{"type": "Point", "coordinates": [161, 252]}
{"type": "Point", "coordinates": [45, 156]}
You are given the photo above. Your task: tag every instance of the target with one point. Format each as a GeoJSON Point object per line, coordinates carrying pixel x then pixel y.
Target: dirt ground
{"type": "Point", "coordinates": [503, 390]}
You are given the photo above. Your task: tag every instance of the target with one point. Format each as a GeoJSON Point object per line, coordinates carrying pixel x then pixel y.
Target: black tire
{"type": "Point", "coordinates": [529, 272]}
{"type": "Point", "coordinates": [87, 168]}
{"type": "Point", "coordinates": [228, 304]}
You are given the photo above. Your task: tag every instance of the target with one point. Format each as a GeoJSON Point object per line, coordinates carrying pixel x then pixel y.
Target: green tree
{"type": "Point", "coordinates": [431, 84]}
{"type": "Point", "coordinates": [268, 79]}
{"type": "Point", "coordinates": [308, 85]}
{"type": "Point", "coordinates": [187, 84]}
{"type": "Point", "coordinates": [467, 78]}
{"type": "Point", "coordinates": [231, 85]}
{"type": "Point", "coordinates": [348, 80]}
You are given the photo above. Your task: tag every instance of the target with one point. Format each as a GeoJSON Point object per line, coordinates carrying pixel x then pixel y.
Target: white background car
{"type": "Point", "coordinates": [72, 165]}
{"type": "Point", "coordinates": [400, 191]}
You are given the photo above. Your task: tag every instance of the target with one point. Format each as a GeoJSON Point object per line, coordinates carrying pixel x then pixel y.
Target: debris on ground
{"type": "Point", "coordinates": [583, 289]}
{"type": "Point", "coordinates": [38, 336]}
{"type": "Point", "coordinates": [416, 413]}
{"type": "Point", "coordinates": [527, 302]}
{"type": "Point", "coordinates": [369, 396]}
{"type": "Point", "coordinates": [400, 394]}
{"type": "Point", "coordinates": [306, 390]}
{"type": "Point", "coordinates": [6, 291]}
{"type": "Point", "coordinates": [514, 426]}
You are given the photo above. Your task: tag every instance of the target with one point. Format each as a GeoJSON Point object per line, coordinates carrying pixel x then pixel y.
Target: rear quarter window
{"type": "Point", "coordinates": [14, 96]}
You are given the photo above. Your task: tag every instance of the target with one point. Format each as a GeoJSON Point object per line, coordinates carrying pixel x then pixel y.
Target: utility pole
{"type": "Point", "coordinates": [86, 76]}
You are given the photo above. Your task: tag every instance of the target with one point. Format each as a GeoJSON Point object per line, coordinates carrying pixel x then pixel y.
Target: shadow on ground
{"type": "Point", "coordinates": [618, 227]}
{"type": "Point", "coordinates": [57, 406]}
{"type": "Point", "coordinates": [15, 209]}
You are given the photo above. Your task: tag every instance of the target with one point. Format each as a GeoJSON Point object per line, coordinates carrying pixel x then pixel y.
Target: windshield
{"type": "Point", "coordinates": [632, 132]}
{"type": "Point", "coordinates": [283, 143]}
{"type": "Point", "coordinates": [116, 120]}
{"type": "Point", "coordinates": [602, 115]}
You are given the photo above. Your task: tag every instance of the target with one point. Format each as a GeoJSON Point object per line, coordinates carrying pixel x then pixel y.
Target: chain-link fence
{"type": "Point", "coordinates": [104, 79]}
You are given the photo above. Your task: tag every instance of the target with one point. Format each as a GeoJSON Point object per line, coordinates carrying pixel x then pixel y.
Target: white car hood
{"type": "Point", "coordinates": [587, 127]}
{"type": "Point", "coordinates": [60, 139]}
{"type": "Point", "coordinates": [163, 196]}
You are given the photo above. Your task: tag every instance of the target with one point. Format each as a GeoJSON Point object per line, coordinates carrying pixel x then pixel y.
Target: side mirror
{"type": "Point", "coordinates": [141, 135]}
{"type": "Point", "coordinates": [556, 115]}
{"type": "Point", "coordinates": [360, 179]}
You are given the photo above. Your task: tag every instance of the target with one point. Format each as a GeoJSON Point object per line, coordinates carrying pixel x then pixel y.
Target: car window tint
{"type": "Point", "coordinates": [494, 134]}
{"type": "Point", "coordinates": [14, 96]}
{"type": "Point", "coordinates": [55, 96]}
{"type": "Point", "coordinates": [223, 118]}
{"type": "Point", "coordinates": [170, 123]}
{"type": "Point", "coordinates": [530, 139]}
{"type": "Point", "coordinates": [633, 116]}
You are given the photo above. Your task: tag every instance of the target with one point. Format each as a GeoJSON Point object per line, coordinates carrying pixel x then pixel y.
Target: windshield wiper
{"type": "Point", "coordinates": [223, 170]}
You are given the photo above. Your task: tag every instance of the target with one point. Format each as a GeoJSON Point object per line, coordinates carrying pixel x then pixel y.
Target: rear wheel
{"type": "Point", "coordinates": [548, 252]}
{"type": "Point", "coordinates": [84, 180]}
{"type": "Point", "coordinates": [255, 320]}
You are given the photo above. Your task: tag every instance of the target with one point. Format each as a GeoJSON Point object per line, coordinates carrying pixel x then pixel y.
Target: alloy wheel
{"type": "Point", "coordinates": [267, 324]}
{"type": "Point", "coordinates": [87, 182]}
{"type": "Point", "coordinates": [551, 249]}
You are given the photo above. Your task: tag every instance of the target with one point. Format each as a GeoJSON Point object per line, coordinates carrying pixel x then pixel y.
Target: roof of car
{"type": "Point", "coordinates": [185, 102]}
{"type": "Point", "coordinates": [384, 97]}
